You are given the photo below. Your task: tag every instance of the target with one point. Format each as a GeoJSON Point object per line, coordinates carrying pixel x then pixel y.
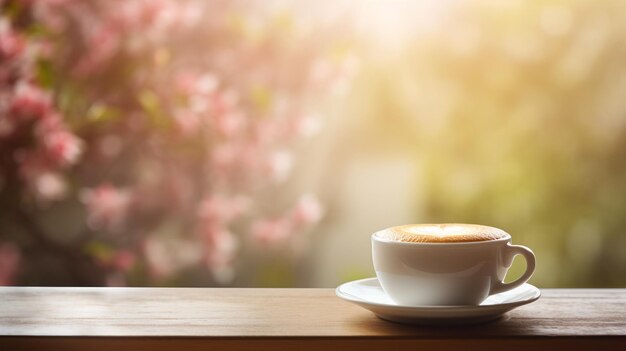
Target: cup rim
{"type": "Point", "coordinates": [375, 237]}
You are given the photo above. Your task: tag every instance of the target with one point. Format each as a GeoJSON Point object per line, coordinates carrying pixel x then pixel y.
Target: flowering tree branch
{"type": "Point", "coordinates": [175, 135]}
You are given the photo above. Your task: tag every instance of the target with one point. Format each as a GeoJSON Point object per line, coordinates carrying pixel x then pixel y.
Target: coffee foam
{"type": "Point", "coordinates": [441, 233]}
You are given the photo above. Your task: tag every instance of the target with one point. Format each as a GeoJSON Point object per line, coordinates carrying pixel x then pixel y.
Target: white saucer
{"type": "Point", "coordinates": [368, 294]}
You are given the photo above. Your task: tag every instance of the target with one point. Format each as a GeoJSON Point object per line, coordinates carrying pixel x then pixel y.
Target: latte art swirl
{"type": "Point", "coordinates": [441, 233]}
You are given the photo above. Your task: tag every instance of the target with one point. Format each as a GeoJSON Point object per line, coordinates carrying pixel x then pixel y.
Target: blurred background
{"type": "Point", "coordinates": [191, 143]}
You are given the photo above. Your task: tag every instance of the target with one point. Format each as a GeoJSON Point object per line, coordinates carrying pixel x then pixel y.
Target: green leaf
{"type": "Point", "coordinates": [261, 98]}
{"type": "Point", "coordinates": [45, 73]}
{"type": "Point", "coordinates": [151, 105]}
{"type": "Point", "coordinates": [36, 30]}
{"type": "Point", "coordinates": [101, 113]}
{"type": "Point", "coordinates": [99, 250]}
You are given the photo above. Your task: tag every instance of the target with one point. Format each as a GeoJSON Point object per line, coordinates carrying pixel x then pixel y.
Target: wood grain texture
{"type": "Point", "coordinates": [230, 319]}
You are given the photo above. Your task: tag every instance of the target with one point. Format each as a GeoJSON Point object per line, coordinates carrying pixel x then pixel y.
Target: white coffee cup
{"type": "Point", "coordinates": [446, 273]}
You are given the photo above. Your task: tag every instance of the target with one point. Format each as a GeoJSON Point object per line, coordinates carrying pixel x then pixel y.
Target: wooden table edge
{"type": "Point", "coordinates": [193, 343]}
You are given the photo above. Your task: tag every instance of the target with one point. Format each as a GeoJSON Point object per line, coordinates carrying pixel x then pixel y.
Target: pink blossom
{"type": "Point", "coordinates": [148, 22]}
{"type": "Point", "coordinates": [187, 122]}
{"type": "Point", "coordinates": [50, 13]}
{"type": "Point", "coordinates": [107, 206]}
{"type": "Point", "coordinates": [103, 43]}
{"type": "Point", "coordinates": [40, 175]}
{"type": "Point", "coordinates": [223, 155]}
{"type": "Point", "coordinates": [166, 256]}
{"type": "Point", "coordinates": [159, 258]}
{"type": "Point", "coordinates": [184, 82]}
{"type": "Point", "coordinates": [307, 211]}
{"type": "Point", "coordinates": [30, 101]}
{"type": "Point", "coordinates": [124, 260]}
{"type": "Point", "coordinates": [225, 101]}
{"type": "Point", "coordinates": [305, 126]}
{"type": "Point", "coordinates": [199, 104]}
{"type": "Point", "coordinates": [280, 229]}
{"type": "Point", "coordinates": [221, 209]}
{"type": "Point", "coordinates": [266, 132]}
{"type": "Point", "coordinates": [180, 15]}
{"type": "Point", "coordinates": [271, 231]}
{"type": "Point", "coordinates": [32, 165]}
{"type": "Point", "coordinates": [51, 122]}
{"type": "Point", "coordinates": [229, 124]}
{"type": "Point", "coordinates": [10, 258]}
{"type": "Point", "coordinates": [188, 83]}
{"type": "Point", "coordinates": [225, 117]}
{"type": "Point", "coordinates": [334, 74]}
{"type": "Point", "coordinates": [231, 156]}
{"type": "Point", "coordinates": [205, 84]}
{"type": "Point", "coordinates": [12, 44]}
{"type": "Point", "coordinates": [49, 186]}
{"type": "Point", "coordinates": [140, 14]}
{"type": "Point", "coordinates": [62, 147]}
{"type": "Point", "coordinates": [219, 248]}
{"type": "Point", "coordinates": [279, 165]}
{"type": "Point", "coordinates": [240, 157]}
{"type": "Point", "coordinates": [219, 258]}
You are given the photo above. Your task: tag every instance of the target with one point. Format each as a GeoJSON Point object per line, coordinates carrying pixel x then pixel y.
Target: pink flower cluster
{"type": "Point", "coordinates": [27, 112]}
{"type": "Point", "coordinates": [186, 125]}
{"type": "Point", "coordinates": [277, 230]}
{"type": "Point", "coordinates": [107, 207]}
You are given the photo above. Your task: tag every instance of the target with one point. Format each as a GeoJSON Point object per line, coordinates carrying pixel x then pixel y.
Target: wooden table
{"type": "Point", "coordinates": [33, 318]}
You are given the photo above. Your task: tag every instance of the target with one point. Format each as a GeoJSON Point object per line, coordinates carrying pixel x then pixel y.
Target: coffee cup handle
{"type": "Point", "coordinates": [508, 254]}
